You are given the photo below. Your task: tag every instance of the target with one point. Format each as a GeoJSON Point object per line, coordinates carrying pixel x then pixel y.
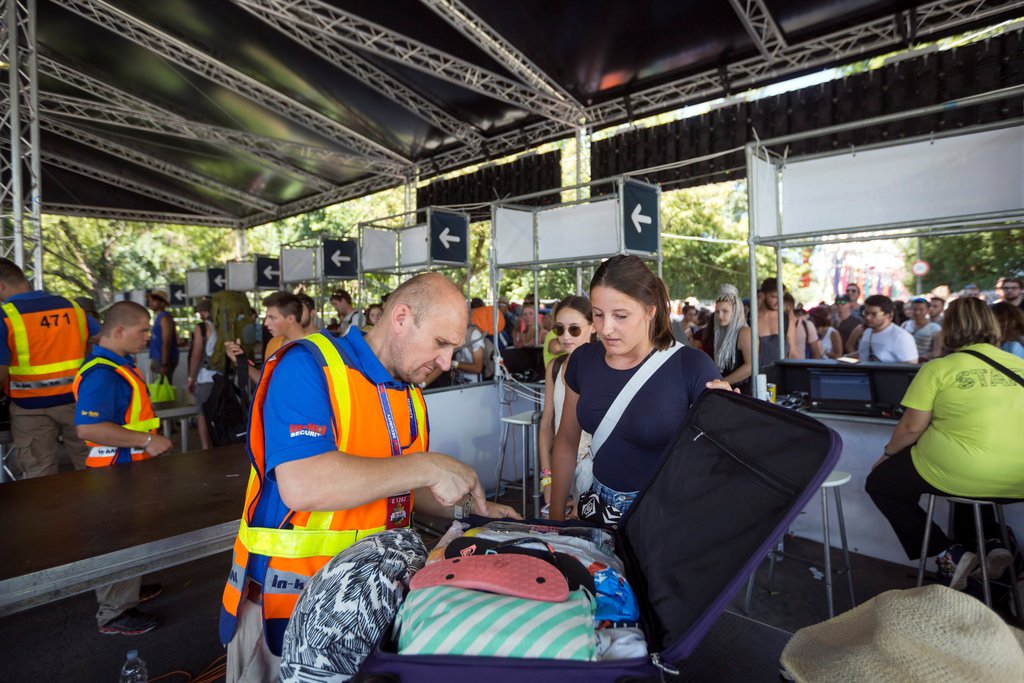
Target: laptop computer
{"type": "Point", "coordinates": [834, 391]}
{"type": "Point", "coordinates": [525, 364]}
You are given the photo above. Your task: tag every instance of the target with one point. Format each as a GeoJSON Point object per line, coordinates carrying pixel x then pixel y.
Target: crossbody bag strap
{"type": "Point", "coordinates": [618, 406]}
{"type": "Point", "coordinates": [997, 365]}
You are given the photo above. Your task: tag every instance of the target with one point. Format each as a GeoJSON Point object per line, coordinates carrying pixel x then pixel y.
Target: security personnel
{"type": "Point", "coordinates": [46, 339]}
{"type": "Point", "coordinates": [339, 447]}
{"type": "Point", "coordinates": [114, 414]}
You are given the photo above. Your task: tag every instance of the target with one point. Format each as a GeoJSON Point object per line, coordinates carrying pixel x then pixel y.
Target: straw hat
{"type": "Point", "coordinates": [161, 294]}
{"type": "Point", "coordinates": [922, 634]}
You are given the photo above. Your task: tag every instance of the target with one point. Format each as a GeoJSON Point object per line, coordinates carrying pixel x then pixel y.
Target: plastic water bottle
{"type": "Point", "coordinates": [134, 669]}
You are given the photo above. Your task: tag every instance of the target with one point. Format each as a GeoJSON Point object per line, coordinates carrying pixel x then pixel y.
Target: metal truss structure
{"type": "Point", "coordinates": [19, 117]}
{"type": "Point", "coordinates": [333, 23]}
{"type": "Point", "coordinates": [366, 51]}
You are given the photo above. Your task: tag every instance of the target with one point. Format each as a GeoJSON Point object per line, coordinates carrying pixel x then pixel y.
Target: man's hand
{"type": "Point", "coordinates": [191, 386]}
{"type": "Point", "coordinates": [499, 511]}
{"type": "Point", "coordinates": [233, 349]}
{"type": "Point", "coordinates": [452, 480]}
{"type": "Point", "coordinates": [158, 444]}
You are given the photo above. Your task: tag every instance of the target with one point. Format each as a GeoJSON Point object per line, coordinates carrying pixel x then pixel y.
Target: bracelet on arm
{"type": "Point", "coordinates": [545, 472]}
{"type": "Point", "coordinates": [545, 481]}
{"type": "Point", "coordinates": [149, 440]}
{"type": "Point", "coordinates": [464, 509]}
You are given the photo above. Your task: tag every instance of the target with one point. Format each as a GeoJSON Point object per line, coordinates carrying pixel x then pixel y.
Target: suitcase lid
{"type": "Point", "coordinates": [737, 473]}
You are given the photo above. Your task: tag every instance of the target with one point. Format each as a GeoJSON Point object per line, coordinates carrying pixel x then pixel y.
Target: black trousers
{"type": "Point", "coordinates": [896, 488]}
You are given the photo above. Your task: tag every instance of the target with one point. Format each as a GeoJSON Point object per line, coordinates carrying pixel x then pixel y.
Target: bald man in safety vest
{"type": "Point", "coordinates": [114, 415]}
{"type": "Point", "coordinates": [339, 447]}
{"type": "Point", "coordinates": [44, 340]}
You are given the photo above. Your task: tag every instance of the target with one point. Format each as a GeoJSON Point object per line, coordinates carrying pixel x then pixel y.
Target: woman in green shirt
{"type": "Point", "coordinates": [961, 435]}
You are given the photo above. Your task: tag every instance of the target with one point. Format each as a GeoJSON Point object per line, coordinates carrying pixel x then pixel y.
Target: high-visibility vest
{"type": "Point", "coordinates": [138, 416]}
{"type": "Point", "coordinates": [47, 347]}
{"type": "Point", "coordinates": [301, 542]}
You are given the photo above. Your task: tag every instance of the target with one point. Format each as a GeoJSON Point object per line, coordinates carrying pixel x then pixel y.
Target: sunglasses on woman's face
{"type": "Point", "coordinates": [574, 330]}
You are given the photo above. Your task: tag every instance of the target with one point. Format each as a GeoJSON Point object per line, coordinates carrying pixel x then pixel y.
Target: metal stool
{"type": "Point", "coordinates": [527, 423]}
{"type": "Point", "coordinates": [834, 481]}
{"type": "Point", "coordinates": [1000, 519]}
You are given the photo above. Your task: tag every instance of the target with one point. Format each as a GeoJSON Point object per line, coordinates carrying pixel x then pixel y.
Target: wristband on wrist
{"type": "Point", "coordinates": [545, 472]}
{"type": "Point", "coordinates": [545, 481]}
{"type": "Point", "coordinates": [462, 510]}
{"type": "Point", "coordinates": [149, 440]}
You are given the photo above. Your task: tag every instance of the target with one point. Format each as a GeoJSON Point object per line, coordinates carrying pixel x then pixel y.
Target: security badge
{"type": "Point", "coordinates": [398, 511]}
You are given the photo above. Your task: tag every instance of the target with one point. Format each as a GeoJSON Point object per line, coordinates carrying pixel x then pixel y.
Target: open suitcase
{"type": "Point", "coordinates": [736, 475]}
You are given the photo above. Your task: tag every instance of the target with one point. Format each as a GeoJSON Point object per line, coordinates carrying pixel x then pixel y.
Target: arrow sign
{"type": "Point", "coordinates": [341, 259]}
{"type": "Point", "coordinates": [449, 235]}
{"type": "Point", "coordinates": [217, 279]}
{"type": "Point", "coordinates": [268, 272]}
{"type": "Point", "coordinates": [177, 295]}
{"type": "Point", "coordinates": [447, 238]}
{"type": "Point", "coordinates": [640, 217]}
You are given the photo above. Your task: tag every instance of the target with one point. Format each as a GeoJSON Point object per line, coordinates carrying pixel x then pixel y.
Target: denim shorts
{"type": "Point", "coordinates": [620, 500]}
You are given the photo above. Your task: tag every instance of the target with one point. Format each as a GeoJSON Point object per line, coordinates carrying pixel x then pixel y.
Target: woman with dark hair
{"type": "Point", "coordinates": [960, 436]}
{"type": "Point", "coordinates": [1011, 327]}
{"type": "Point", "coordinates": [574, 326]}
{"type": "Point", "coordinates": [631, 316]}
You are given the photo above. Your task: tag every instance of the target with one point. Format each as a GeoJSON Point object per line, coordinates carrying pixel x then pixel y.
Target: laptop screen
{"type": "Point", "coordinates": [841, 386]}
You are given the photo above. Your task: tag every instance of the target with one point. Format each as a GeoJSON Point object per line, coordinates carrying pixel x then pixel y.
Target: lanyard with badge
{"type": "Point", "coordinates": [398, 505]}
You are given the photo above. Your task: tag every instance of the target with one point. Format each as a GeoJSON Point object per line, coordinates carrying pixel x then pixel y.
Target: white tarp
{"type": "Point", "coordinates": [241, 276]}
{"type": "Point", "coordinates": [513, 236]}
{"type": "Point", "coordinates": [976, 173]}
{"type": "Point", "coordinates": [579, 231]}
{"type": "Point", "coordinates": [196, 284]}
{"type": "Point", "coordinates": [298, 265]}
{"type": "Point", "coordinates": [764, 192]}
{"type": "Point", "coordinates": [378, 249]}
{"type": "Point", "coordinates": [413, 246]}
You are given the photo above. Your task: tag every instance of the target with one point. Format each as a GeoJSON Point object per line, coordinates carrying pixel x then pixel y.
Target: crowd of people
{"type": "Point", "coordinates": [621, 371]}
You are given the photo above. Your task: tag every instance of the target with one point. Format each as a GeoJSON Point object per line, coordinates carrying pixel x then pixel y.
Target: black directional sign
{"type": "Point", "coordinates": [640, 216]}
{"type": "Point", "coordinates": [268, 272]}
{"type": "Point", "coordinates": [177, 294]}
{"type": "Point", "coordinates": [217, 279]}
{"type": "Point", "coordinates": [341, 259]}
{"type": "Point", "coordinates": [449, 237]}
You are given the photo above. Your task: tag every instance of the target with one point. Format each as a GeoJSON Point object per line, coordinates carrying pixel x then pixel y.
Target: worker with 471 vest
{"type": "Point", "coordinates": [114, 415]}
{"type": "Point", "coordinates": [45, 338]}
{"type": "Point", "coordinates": [339, 449]}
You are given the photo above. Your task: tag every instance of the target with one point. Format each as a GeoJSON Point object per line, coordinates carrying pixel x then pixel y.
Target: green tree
{"type": "Point", "coordinates": [980, 258]}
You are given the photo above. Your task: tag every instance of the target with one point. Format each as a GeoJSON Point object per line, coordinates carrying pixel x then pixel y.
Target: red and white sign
{"type": "Point", "coordinates": [920, 268]}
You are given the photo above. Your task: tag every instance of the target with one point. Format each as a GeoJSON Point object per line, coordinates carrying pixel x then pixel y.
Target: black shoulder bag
{"type": "Point", "coordinates": [998, 366]}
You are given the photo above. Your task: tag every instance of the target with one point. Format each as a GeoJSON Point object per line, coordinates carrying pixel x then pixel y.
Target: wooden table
{"type": "Point", "coordinates": [72, 532]}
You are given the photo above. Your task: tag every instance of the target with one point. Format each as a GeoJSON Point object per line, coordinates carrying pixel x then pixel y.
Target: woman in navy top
{"type": "Point", "coordinates": [631, 316]}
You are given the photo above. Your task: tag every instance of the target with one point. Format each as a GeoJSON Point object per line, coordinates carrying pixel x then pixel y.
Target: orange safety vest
{"type": "Point", "coordinates": [47, 347]}
{"type": "Point", "coordinates": [303, 542]}
{"type": "Point", "coordinates": [138, 416]}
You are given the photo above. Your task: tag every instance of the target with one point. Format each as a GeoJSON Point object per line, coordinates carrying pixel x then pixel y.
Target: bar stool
{"type": "Point", "coordinates": [527, 424]}
{"type": "Point", "coordinates": [975, 503]}
{"type": "Point", "coordinates": [835, 480]}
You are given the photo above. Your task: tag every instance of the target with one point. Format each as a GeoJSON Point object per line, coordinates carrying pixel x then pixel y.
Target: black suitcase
{"type": "Point", "coordinates": [736, 475]}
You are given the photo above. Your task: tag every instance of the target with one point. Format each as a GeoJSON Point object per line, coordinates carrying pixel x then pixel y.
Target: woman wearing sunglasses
{"type": "Point", "coordinates": [631, 317]}
{"type": "Point", "coordinates": [573, 328]}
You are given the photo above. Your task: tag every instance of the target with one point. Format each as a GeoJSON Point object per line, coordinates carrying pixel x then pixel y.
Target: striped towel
{"type": "Point", "coordinates": [458, 621]}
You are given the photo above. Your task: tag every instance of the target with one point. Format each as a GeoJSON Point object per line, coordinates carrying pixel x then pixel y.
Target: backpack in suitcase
{"type": "Point", "coordinates": [737, 473]}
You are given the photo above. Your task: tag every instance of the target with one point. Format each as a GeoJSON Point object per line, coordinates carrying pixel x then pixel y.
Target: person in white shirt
{"type": "Point", "coordinates": [923, 329]}
{"type": "Point", "coordinates": [878, 340]}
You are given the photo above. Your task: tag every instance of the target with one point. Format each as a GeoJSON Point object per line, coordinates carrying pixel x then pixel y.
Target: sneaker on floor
{"type": "Point", "coordinates": [148, 591]}
{"type": "Point", "coordinates": [997, 558]}
{"type": "Point", "coordinates": [131, 622]}
{"type": "Point", "coordinates": [955, 565]}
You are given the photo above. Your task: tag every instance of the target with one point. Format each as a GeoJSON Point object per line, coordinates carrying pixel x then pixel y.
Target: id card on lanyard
{"type": "Point", "coordinates": [398, 507]}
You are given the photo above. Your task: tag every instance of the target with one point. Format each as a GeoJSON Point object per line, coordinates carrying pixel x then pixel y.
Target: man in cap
{"type": "Point", "coordinates": [163, 344]}
{"type": "Point", "coordinates": [45, 338]}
